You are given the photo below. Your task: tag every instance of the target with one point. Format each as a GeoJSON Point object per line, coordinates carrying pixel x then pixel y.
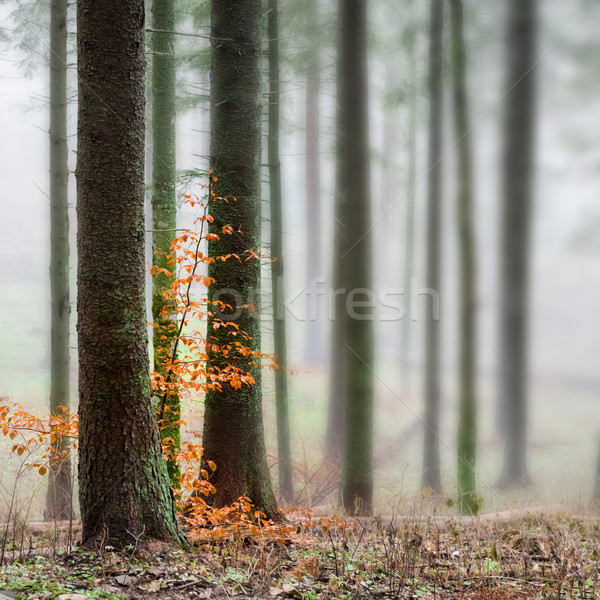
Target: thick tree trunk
{"type": "Point", "coordinates": [357, 469]}
{"type": "Point", "coordinates": [233, 426]}
{"type": "Point", "coordinates": [286, 487]}
{"type": "Point", "coordinates": [517, 183]}
{"type": "Point", "coordinates": [59, 499]}
{"type": "Point", "coordinates": [123, 482]}
{"type": "Point", "coordinates": [164, 211]}
{"type": "Point", "coordinates": [431, 451]}
{"type": "Point", "coordinates": [467, 421]}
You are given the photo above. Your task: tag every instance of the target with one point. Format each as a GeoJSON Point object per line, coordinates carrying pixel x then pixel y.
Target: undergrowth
{"type": "Point", "coordinates": [548, 558]}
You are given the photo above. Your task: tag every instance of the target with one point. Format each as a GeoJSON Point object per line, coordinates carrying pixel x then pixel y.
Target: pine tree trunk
{"type": "Point", "coordinates": [164, 212]}
{"type": "Point", "coordinates": [336, 418]}
{"type": "Point", "coordinates": [467, 418]}
{"type": "Point", "coordinates": [314, 325]}
{"type": "Point", "coordinates": [517, 183]}
{"type": "Point", "coordinates": [596, 491]}
{"type": "Point", "coordinates": [233, 426]}
{"type": "Point", "coordinates": [123, 482]}
{"type": "Point", "coordinates": [59, 499]}
{"type": "Point", "coordinates": [431, 452]}
{"type": "Point", "coordinates": [385, 194]}
{"type": "Point", "coordinates": [411, 184]}
{"type": "Point", "coordinates": [357, 468]}
{"type": "Point", "coordinates": [286, 487]}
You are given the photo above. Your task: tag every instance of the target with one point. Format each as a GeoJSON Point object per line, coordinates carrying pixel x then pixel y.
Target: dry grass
{"type": "Point", "coordinates": [541, 555]}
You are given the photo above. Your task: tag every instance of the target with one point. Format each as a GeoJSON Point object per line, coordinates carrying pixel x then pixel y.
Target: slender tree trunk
{"type": "Point", "coordinates": [314, 326]}
{"type": "Point", "coordinates": [517, 183]}
{"type": "Point", "coordinates": [286, 486]}
{"type": "Point", "coordinates": [336, 419]}
{"type": "Point", "coordinates": [164, 213]}
{"type": "Point", "coordinates": [467, 418]}
{"type": "Point", "coordinates": [357, 469]}
{"type": "Point", "coordinates": [59, 500]}
{"type": "Point", "coordinates": [386, 190]}
{"type": "Point", "coordinates": [411, 184]}
{"type": "Point", "coordinates": [123, 482]}
{"type": "Point", "coordinates": [233, 426]}
{"type": "Point", "coordinates": [431, 452]}
{"type": "Point", "coordinates": [337, 364]}
{"type": "Point", "coordinates": [596, 492]}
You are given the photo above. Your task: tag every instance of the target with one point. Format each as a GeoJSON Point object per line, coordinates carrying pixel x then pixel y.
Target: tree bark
{"type": "Point", "coordinates": [164, 212]}
{"type": "Point", "coordinates": [286, 487]}
{"type": "Point", "coordinates": [411, 185]}
{"type": "Point", "coordinates": [59, 499]}
{"type": "Point", "coordinates": [517, 184]}
{"type": "Point", "coordinates": [314, 325]}
{"type": "Point", "coordinates": [596, 491]}
{"type": "Point", "coordinates": [357, 468]}
{"type": "Point", "coordinates": [467, 417]}
{"type": "Point", "coordinates": [123, 482]}
{"type": "Point", "coordinates": [233, 425]}
{"type": "Point", "coordinates": [336, 418]}
{"type": "Point", "coordinates": [431, 476]}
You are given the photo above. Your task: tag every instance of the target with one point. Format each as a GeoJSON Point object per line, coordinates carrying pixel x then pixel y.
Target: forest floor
{"type": "Point", "coordinates": [540, 555]}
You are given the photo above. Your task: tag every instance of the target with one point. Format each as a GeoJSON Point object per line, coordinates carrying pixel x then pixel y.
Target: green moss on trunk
{"type": "Point", "coordinates": [164, 210]}
{"type": "Point", "coordinates": [123, 483]}
{"type": "Point", "coordinates": [233, 426]}
{"type": "Point", "coordinates": [353, 163]}
{"type": "Point", "coordinates": [59, 499]}
{"type": "Point", "coordinates": [286, 488]}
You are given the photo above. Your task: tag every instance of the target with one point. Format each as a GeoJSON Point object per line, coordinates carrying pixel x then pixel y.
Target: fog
{"type": "Point", "coordinates": [564, 329]}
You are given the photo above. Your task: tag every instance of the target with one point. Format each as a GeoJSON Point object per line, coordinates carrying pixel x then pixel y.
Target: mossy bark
{"type": "Point", "coordinates": [286, 486]}
{"type": "Point", "coordinates": [59, 499]}
{"type": "Point", "coordinates": [431, 476]}
{"type": "Point", "coordinates": [517, 184]}
{"type": "Point", "coordinates": [233, 425]}
{"type": "Point", "coordinates": [357, 468]}
{"type": "Point", "coordinates": [467, 415]}
{"type": "Point", "coordinates": [123, 482]}
{"type": "Point", "coordinates": [164, 213]}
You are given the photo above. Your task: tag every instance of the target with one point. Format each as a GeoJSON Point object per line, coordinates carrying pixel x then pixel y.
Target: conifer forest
{"type": "Point", "coordinates": [299, 299]}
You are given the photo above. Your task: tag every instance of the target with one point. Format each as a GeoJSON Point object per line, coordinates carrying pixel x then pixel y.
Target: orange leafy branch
{"type": "Point", "coordinates": [35, 434]}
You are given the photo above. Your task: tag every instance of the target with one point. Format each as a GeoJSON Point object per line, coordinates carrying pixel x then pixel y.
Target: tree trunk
{"type": "Point", "coordinates": [411, 185]}
{"type": "Point", "coordinates": [517, 183]}
{"type": "Point", "coordinates": [314, 323]}
{"type": "Point", "coordinates": [123, 482]}
{"type": "Point", "coordinates": [596, 492]}
{"type": "Point", "coordinates": [59, 499]}
{"type": "Point", "coordinates": [431, 452]}
{"type": "Point", "coordinates": [336, 418]}
{"type": "Point", "coordinates": [357, 469]}
{"type": "Point", "coordinates": [233, 426]}
{"type": "Point", "coordinates": [467, 418]}
{"type": "Point", "coordinates": [164, 212]}
{"type": "Point", "coordinates": [286, 487]}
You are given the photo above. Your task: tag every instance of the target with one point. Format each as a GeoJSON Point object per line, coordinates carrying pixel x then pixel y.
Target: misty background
{"type": "Point", "coordinates": [564, 343]}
